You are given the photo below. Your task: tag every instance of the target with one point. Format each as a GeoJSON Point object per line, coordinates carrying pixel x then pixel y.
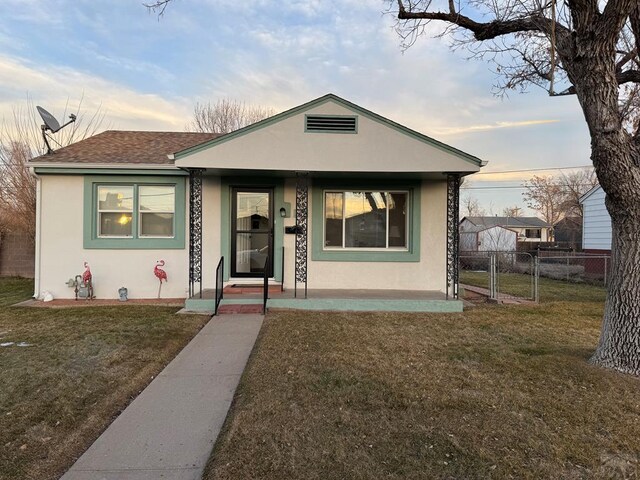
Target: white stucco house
{"type": "Point", "coordinates": [330, 195]}
{"type": "Point", "coordinates": [596, 222]}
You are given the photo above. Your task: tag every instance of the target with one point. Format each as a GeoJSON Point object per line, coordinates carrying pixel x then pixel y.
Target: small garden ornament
{"type": "Point", "coordinates": [160, 273]}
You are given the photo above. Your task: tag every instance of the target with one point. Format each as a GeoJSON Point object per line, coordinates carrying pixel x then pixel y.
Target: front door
{"type": "Point", "coordinates": [251, 231]}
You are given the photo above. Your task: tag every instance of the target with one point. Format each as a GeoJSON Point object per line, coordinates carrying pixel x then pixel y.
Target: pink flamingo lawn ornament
{"type": "Point", "coordinates": [87, 279]}
{"type": "Point", "coordinates": [160, 273]}
{"type": "Point", "coordinates": [86, 275]}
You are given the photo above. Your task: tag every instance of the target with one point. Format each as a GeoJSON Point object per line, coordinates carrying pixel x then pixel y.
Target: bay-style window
{"type": "Point", "coordinates": [139, 212]}
{"type": "Point", "coordinates": [366, 220]}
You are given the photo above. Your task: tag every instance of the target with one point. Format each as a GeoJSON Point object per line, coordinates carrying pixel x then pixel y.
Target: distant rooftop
{"type": "Point", "coordinates": [520, 222]}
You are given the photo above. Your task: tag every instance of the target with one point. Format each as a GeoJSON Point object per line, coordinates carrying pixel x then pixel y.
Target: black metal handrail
{"type": "Point", "coordinates": [282, 273]}
{"type": "Point", "coordinates": [219, 283]}
{"type": "Point", "coordinates": [265, 293]}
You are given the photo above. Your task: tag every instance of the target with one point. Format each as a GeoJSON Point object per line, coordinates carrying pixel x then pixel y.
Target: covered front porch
{"type": "Point", "coordinates": [363, 300]}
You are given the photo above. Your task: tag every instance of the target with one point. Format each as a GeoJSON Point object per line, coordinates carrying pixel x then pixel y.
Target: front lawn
{"type": "Point", "coordinates": [80, 367]}
{"type": "Point", "coordinates": [494, 392]}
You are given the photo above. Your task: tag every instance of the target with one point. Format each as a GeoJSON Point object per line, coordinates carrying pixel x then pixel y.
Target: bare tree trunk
{"type": "Point", "coordinates": [615, 158]}
{"type": "Point", "coordinates": [619, 345]}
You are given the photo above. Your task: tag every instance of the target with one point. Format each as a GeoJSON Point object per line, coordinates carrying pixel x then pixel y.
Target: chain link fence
{"type": "Point", "coordinates": [537, 276]}
{"type": "Point", "coordinates": [504, 275]}
{"type": "Point", "coordinates": [575, 267]}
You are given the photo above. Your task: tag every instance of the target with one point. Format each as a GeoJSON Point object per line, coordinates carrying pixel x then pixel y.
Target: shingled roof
{"type": "Point", "coordinates": [120, 147]}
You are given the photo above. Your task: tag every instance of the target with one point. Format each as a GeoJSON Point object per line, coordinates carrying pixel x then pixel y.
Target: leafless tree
{"type": "Point", "coordinates": [558, 197]}
{"type": "Point", "coordinates": [471, 207]}
{"type": "Point", "coordinates": [545, 195]}
{"type": "Point", "coordinates": [20, 141]}
{"type": "Point", "coordinates": [575, 185]}
{"type": "Point", "coordinates": [514, 211]}
{"type": "Point", "coordinates": [225, 116]}
{"type": "Point", "coordinates": [585, 48]}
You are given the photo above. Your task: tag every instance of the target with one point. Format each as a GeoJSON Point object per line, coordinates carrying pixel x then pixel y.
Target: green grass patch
{"type": "Point", "coordinates": [81, 368]}
{"type": "Point", "coordinates": [494, 392]}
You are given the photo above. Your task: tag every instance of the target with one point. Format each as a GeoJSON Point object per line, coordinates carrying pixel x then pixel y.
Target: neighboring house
{"type": "Point", "coordinates": [487, 239]}
{"type": "Point", "coordinates": [332, 195]}
{"type": "Point", "coordinates": [567, 233]}
{"type": "Point", "coordinates": [596, 222]}
{"type": "Point", "coordinates": [528, 229]}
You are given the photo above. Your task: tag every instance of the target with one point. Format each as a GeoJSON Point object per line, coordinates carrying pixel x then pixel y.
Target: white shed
{"type": "Point", "coordinates": [488, 239]}
{"type": "Point", "coordinates": [596, 222]}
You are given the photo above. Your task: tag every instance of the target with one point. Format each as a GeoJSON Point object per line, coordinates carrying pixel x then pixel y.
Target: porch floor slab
{"type": "Point", "coordinates": [341, 300]}
{"type": "Point", "coordinates": [325, 293]}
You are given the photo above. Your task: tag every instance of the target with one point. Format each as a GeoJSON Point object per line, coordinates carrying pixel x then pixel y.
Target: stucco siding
{"type": "Point", "coordinates": [429, 273]}
{"type": "Point", "coordinates": [211, 230]}
{"type": "Point", "coordinates": [596, 227]}
{"type": "Point", "coordinates": [375, 147]}
{"type": "Point", "coordinates": [62, 252]}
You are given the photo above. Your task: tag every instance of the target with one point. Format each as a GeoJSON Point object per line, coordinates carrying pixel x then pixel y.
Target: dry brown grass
{"type": "Point", "coordinates": [495, 392]}
{"type": "Point", "coordinates": [84, 366]}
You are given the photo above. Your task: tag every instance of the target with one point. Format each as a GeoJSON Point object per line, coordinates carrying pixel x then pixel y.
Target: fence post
{"type": "Point", "coordinates": [493, 284]}
{"type": "Point", "coordinates": [605, 271]}
{"type": "Point", "coordinates": [536, 277]}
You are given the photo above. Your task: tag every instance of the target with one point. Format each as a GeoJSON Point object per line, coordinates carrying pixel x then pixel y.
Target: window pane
{"type": "Point", "coordinates": [252, 250]}
{"type": "Point", "coordinates": [397, 219]}
{"type": "Point", "coordinates": [252, 210]}
{"type": "Point", "coordinates": [156, 224]}
{"type": "Point", "coordinates": [119, 198]}
{"type": "Point", "coordinates": [333, 219]}
{"type": "Point", "coordinates": [157, 198]}
{"type": "Point", "coordinates": [365, 220]}
{"type": "Point", "coordinates": [115, 224]}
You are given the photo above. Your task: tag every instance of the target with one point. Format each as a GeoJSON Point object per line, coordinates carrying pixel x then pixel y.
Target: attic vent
{"type": "Point", "coordinates": [331, 124]}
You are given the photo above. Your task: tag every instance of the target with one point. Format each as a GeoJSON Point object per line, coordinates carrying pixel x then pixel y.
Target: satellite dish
{"type": "Point", "coordinates": [49, 120]}
{"type": "Point", "coordinates": [51, 124]}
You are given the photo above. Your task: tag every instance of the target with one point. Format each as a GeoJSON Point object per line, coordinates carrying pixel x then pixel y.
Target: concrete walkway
{"type": "Point", "coordinates": [169, 430]}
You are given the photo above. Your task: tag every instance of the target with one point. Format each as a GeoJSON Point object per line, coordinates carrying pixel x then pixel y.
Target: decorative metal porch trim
{"type": "Point", "coordinates": [302, 216]}
{"type": "Point", "coordinates": [195, 230]}
{"type": "Point", "coordinates": [453, 238]}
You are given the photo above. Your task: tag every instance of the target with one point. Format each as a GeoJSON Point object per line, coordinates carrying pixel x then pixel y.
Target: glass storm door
{"type": "Point", "coordinates": [251, 231]}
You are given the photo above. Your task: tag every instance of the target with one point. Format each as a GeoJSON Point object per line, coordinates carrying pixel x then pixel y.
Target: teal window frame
{"type": "Point", "coordinates": [409, 254]}
{"type": "Point", "coordinates": [91, 239]}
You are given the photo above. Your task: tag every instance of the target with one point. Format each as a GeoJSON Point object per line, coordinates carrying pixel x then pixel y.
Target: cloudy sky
{"type": "Point", "coordinates": [147, 73]}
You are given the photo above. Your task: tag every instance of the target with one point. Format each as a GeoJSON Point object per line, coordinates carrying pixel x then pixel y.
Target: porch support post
{"type": "Point", "coordinates": [302, 215]}
{"type": "Point", "coordinates": [453, 237]}
{"type": "Point", "coordinates": [195, 231]}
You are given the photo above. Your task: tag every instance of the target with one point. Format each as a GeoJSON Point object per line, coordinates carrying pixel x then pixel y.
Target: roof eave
{"type": "Point", "coordinates": [78, 165]}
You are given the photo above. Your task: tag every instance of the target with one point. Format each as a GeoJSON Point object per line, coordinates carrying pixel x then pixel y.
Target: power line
{"type": "Point", "coordinates": [532, 170]}
{"type": "Point", "coordinates": [523, 187]}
